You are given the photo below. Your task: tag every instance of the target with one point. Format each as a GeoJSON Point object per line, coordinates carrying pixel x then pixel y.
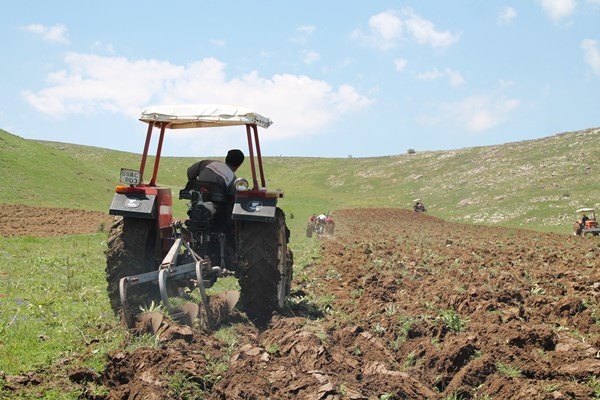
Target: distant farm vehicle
{"type": "Point", "coordinates": [322, 224]}
{"type": "Point", "coordinates": [418, 206]}
{"type": "Point", "coordinates": [151, 257]}
{"type": "Point", "coordinates": [586, 222]}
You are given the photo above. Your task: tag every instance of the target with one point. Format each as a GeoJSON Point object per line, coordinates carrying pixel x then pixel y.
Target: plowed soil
{"type": "Point", "coordinates": [20, 220]}
{"type": "Point", "coordinates": [400, 306]}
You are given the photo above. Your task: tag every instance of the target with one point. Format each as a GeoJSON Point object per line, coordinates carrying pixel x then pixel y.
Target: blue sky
{"type": "Point", "coordinates": [338, 78]}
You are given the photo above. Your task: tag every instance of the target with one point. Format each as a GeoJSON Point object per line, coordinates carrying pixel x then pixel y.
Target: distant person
{"type": "Point", "coordinates": [419, 206]}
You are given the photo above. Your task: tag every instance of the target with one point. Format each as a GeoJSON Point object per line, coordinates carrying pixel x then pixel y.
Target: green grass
{"type": "Point", "coordinates": [509, 370]}
{"type": "Point", "coordinates": [452, 320]}
{"type": "Point", "coordinates": [53, 302]}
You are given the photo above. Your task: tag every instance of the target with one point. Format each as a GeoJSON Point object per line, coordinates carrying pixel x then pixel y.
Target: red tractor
{"type": "Point", "coordinates": [322, 224]}
{"type": "Point", "coordinates": [151, 257]}
{"type": "Point", "coordinates": [586, 222]}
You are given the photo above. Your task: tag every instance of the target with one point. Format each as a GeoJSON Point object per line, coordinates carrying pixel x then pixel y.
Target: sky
{"type": "Point", "coordinates": [338, 78]}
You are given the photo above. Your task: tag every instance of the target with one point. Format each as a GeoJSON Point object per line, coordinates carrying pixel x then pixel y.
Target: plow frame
{"type": "Point", "coordinates": [199, 273]}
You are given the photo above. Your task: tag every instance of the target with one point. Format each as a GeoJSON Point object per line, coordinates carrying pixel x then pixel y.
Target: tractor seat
{"type": "Point", "coordinates": [196, 195]}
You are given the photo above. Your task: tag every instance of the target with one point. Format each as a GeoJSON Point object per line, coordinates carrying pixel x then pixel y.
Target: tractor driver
{"type": "Point", "coordinates": [217, 178]}
{"type": "Point", "coordinates": [584, 220]}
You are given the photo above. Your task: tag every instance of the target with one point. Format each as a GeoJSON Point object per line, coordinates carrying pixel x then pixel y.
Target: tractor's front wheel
{"type": "Point", "coordinates": [265, 261]}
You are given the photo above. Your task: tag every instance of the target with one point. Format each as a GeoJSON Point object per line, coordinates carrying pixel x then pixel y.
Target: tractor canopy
{"type": "Point", "coordinates": [590, 212]}
{"type": "Point", "coordinates": [591, 225]}
{"type": "Point", "coordinates": [203, 116]}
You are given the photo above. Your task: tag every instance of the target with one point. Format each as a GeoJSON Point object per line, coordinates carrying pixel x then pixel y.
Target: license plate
{"type": "Point", "coordinates": [130, 176]}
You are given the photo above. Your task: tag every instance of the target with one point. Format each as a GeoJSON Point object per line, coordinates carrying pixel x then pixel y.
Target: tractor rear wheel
{"type": "Point", "coordinates": [265, 274]}
{"type": "Point", "coordinates": [130, 249]}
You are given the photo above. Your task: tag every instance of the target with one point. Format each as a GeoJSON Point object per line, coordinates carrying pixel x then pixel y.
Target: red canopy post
{"type": "Point", "coordinates": [158, 151]}
{"type": "Point", "coordinates": [145, 153]}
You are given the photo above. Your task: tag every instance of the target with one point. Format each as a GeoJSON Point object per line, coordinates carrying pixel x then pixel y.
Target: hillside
{"type": "Point", "coordinates": [535, 184]}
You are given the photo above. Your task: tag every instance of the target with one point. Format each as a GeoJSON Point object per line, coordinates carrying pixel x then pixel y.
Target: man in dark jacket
{"type": "Point", "coordinates": [215, 180]}
{"type": "Point", "coordinates": [216, 177]}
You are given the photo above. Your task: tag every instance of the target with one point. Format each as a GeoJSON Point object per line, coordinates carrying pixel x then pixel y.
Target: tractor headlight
{"type": "Point", "coordinates": [241, 184]}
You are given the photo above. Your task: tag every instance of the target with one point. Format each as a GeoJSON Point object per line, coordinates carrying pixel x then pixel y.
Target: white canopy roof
{"type": "Point", "coordinates": [582, 210]}
{"type": "Point", "coordinates": [203, 116]}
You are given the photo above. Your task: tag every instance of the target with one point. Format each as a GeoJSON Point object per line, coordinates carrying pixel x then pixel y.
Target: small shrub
{"type": "Point", "coordinates": [182, 386]}
{"type": "Point", "coordinates": [594, 384]}
{"type": "Point", "coordinates": [452, 320]}
{"type": "Point", "coordinates": [411, 360]}
{"type": "Point", "coordinates": [508, 370]}
{"type": "Point", "coordinates": [273, 348]}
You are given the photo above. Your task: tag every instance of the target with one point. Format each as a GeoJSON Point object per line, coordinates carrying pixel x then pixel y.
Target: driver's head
{"type": "Point", "coordinates": [234, 158]}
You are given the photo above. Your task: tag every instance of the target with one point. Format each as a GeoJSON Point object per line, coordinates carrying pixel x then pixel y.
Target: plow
{"type": "Point", "coordinates": [170, 274]}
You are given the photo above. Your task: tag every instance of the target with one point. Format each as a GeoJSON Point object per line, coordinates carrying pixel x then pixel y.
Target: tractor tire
{"type": "Point", "coordinates": [309, 230]}
{"type": "Point", "coordinates": [266, 264]}
{"type": "Point", "coordinates": [130, 249]}
{"type": "Point", "coordinates": [330, 229]}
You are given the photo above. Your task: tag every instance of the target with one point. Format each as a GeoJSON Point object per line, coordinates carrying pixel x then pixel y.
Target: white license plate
{"type": "Point", "coordinates": [130, 176]}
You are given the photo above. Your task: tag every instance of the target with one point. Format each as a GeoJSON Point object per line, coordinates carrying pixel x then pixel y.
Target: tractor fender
{"type": "Point", "coordinates": [254, 209]}
{"type": "Point", "coordinates": [138, 205]}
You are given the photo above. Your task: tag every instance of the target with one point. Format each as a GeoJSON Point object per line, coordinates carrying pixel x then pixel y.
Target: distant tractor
{"type": "Point", "coordinates": [586, 222]}
{"type": "Point", "coordinates": [322, 224]}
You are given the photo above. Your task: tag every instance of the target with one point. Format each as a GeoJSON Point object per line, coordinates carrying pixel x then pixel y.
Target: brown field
{"type": "Point", "coordinates": [20, 220]}
{"type": "Point", "coordinates": [400, 306]}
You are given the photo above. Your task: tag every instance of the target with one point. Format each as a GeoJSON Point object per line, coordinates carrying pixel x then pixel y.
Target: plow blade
{"type": "Point", "coordinates": [161, 277]}
{"type": "Point", "coordinates": [220, 307]}
{"type": "Point", "coordinates": [186, 313]}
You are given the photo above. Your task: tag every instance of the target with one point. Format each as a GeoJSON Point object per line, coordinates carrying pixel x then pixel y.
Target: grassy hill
{"type": "Point", "coordinates": [535, 184]}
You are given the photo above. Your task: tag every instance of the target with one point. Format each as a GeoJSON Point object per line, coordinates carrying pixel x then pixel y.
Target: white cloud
{"type": "Point", "coordinates": [591, 54]}
{"type": "Point", "coordinates": [307, 29]}
{"type": "Point", "coordinates": [507, 15]}
{"type": "Point", "coordinates": [400, 64]}
{"type": "Point", "coordinates": [454, 77]}
{"type": "Point", "coordinates": [425, 33]}
{"type": "Point", "coordinates": [309, 57]}
{"type": "Point", "coordinates": [388, 29]}
{"type": "Point", "coordinates": [104, 47]}
{"type": "Point", "coordinates": [558, 9]}
{"type": "Point", "coordinates": [53, 34]}
{"type": "Point", "coordinates": [93, 84]}
{"type": "Point", "coordinates": [478, 113]}
{"type": "Point", "coordinates": [218, 42]}
{"type": "Point", "coordinates": [593, 2]}
{"type": "Point", "coordinates": [304, 32]}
